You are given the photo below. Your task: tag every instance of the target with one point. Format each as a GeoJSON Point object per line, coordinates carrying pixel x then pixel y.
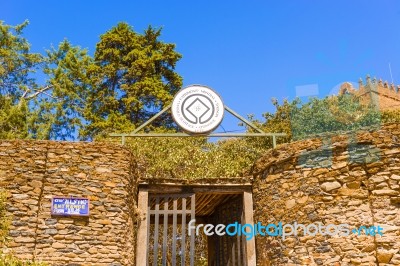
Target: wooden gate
{"type": "Point", "coordinates": [164, 215]}
{"type": "Point", "coordinates": [170, 245]}
{"type": "Point", "coordinates": [227, 250]}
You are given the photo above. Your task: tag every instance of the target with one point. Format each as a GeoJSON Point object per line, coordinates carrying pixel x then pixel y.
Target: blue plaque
{"type": "Point", "coordinates": [70, 206]}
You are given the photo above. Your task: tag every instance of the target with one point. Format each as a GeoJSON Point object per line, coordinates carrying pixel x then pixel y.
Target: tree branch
{"type": "Point", "coordinates": [56, 98]}
{"type": "Point", "coordinates": [25, 93]}
{"type": "Point", "coordinates": [42, 90]}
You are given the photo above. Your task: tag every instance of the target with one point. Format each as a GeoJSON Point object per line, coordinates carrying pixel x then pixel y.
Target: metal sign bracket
{"type": "Point", "coordinates": [259, 132]}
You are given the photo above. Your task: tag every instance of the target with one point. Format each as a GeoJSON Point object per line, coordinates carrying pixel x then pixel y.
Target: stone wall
{"type": "Point", "coordinates": [383, 95]}
{"type": "Point", "coordinates": [333, 181]}
{"type": "Point", "coordinates": [34, 171]}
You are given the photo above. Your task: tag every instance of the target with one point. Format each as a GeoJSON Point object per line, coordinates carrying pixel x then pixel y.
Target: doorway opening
{"type": "Point", "coordinates": [178, 225]}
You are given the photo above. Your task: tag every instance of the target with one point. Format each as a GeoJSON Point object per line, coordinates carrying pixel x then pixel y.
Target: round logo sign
{"type": "Point", "coordinates": [197, 109]}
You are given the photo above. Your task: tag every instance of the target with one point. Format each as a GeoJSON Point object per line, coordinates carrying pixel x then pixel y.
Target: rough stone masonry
{"type": "Point", "coordinates": [353, 182]}
{"type": "Point", "coordinates": [356, 182]}
{"type": "Point", "coordinates": [34, 171]}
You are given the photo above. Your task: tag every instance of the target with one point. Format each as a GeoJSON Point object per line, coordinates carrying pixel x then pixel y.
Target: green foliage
{"type": "Point", "coordinates": [278, 121]}
{"type": "Point", "coordinates": [10, 260]}
{"type": "Point", "coordinates": [30, 110]}
{"type": "Point", "coordinates": [17, 63]}
{"type": "Point", "coordinates": [4, 220]}
{"type": "Point", "coordinates": [331, 115]}
{"type": "Point", "coordinates": [192, 157]}
{"type": "Point", "coordinates": [59, 115]}
{"type": "Point", "coordinates": [392, 116]}
{"type": "Point", "coordinates": [275, 122]}
{"type": "Point", "coordinates": [130, 78]}
{"type": "Point", "coordinates": [13, 124]}
{"type": "Point", "coordinates": [197, 158]}
{"type": "Point", "coordinates": [134, 78]}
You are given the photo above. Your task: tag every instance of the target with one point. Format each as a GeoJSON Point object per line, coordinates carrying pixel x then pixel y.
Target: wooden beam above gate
{"type": "Point", "coordinates": [196, 188]}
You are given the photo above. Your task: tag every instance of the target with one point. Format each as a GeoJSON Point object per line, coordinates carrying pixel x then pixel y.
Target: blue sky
{"type": "Point", "coordinates": [248, 51]}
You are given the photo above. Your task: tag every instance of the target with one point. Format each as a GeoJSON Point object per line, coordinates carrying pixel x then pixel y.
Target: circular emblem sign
{"type": "Point", "coordinates": [197, 109]}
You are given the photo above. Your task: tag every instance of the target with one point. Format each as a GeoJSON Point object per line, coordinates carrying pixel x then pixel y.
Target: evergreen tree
{"type": "Point", "coordinates": [134, 77]}
{"type": "Point", "coordinates": [131, 77]}
{"type": "Point", "coordinates": [17, 87]}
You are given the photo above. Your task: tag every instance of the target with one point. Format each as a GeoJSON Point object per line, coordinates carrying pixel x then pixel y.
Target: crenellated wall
{"type": "Point", "coordinates": [355, 183]}
{"type": "Point", "coordinates": [380, 93]}
{"type": "Point", "coordinates": [34, 171]}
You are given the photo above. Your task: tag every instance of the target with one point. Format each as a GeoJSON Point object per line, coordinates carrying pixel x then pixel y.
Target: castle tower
{"type": "Point", "coordinates": [383, 95]}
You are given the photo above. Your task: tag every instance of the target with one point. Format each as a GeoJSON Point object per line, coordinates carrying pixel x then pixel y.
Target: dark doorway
{"type": "Point", "coordinates": [169, 237]}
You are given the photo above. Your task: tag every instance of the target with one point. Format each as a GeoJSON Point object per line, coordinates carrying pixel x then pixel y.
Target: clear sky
{"type": "Point", "coordinates": [248, 51]}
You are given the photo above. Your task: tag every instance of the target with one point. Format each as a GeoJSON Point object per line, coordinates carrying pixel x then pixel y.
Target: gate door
{"type": "Point", "coordinates": [170, 245]}
{"type": "Point", "coordinates": [228, 250]}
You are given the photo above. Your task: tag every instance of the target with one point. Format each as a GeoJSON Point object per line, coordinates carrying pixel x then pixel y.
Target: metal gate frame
{"type": "Point", "coordinates": [258, 132]}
